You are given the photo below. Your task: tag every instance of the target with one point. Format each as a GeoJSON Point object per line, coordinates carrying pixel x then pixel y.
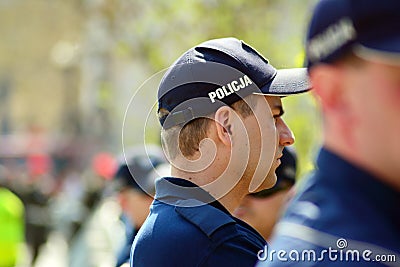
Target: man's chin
{"type": "Point", "coordinates": [269, 182]}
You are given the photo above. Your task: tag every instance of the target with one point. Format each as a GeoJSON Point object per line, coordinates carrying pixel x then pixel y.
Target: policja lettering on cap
{"type": "Point", "coordinates": [233, 86]}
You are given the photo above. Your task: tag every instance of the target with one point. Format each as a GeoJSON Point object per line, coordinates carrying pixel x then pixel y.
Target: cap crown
{"type": "Point", "coordinates": [338, 26]}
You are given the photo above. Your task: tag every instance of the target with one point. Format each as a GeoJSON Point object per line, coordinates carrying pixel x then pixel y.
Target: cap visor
{"type": "Point", "coordinates": [288, 82]}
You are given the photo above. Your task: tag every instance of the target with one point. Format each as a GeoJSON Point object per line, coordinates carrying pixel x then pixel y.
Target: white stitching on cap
{"type": "Point", "coordinates": [230, 88]}
{"type": "Point", "coordinates": [335, 36]}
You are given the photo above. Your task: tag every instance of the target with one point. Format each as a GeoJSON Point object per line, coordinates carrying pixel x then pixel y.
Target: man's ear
{"type": "Point", "coordinates": [333, 90]}
{"type": "Point", "coordinates": [224, 124]}
{"type": "Point", "coordinates": [123, 200]}
{"type": "Point", "coordinates": [329, 89]}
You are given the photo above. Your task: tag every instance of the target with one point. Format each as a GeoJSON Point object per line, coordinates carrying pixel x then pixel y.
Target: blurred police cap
{"type": "Point", "coordinates": [139, 167]}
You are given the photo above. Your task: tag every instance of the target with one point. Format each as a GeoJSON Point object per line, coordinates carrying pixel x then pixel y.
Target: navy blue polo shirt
{"type": "Point", "coordinates": [342, 211]}
{"type": "Point", "coordinates": [190, 228]}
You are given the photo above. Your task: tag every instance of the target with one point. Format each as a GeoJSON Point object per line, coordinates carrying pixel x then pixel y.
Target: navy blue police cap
{"type": "Point", "coordinates": [221, 72]}
{"type": "Point", "coordinates": [287, 170]}
{"type": "Point", "coordinates": [368, 28]}
{"type": "Point", "coordinates": [136, 169]}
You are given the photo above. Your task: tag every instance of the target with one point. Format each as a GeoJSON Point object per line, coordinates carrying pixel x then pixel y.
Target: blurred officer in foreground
{"type": "Point", "coordinates": [134, 182]}
{"type": "Point", "coordinates": [220, 109]}
{"type": "Point", "coordinates": [351, 204]}
{"type": "Point", "coordinates": [262, 209]}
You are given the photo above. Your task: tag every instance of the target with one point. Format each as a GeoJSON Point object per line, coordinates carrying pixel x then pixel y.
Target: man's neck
{"type": "Point", "coordinates": [228, 192]}
{"type": "Point", "coordinates": [231, 201]}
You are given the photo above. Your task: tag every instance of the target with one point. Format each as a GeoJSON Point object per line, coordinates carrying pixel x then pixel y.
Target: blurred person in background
{"type": "Point", "coordinates": [36, 193]}
{"type": "Point", "coordinates": [263, 209]}
{"type": "Point", "coordinates": [38, 189]}
{"type": "Point", "coordinates": [351, 203]}
{"type": "Point", "coordinates": [135, 183]}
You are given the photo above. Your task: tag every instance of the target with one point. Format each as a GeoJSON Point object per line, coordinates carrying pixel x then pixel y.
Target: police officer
{"type": "Point", "coordinates": [348, 212]}
{"type": "Point", "coordinates": [220, 110]}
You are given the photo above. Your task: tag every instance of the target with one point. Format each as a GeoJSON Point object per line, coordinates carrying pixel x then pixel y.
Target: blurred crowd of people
{"type": "Point", "coordinates": [55, 190]}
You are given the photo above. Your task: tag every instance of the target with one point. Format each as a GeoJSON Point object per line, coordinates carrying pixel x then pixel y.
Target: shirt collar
{"type": "Point", "coordinates": [343, 176]}
{"type": "Point", "coordinates": [177, 191]}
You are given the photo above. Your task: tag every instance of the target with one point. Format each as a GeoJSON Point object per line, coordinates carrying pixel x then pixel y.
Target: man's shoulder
{"type": "Point", "coordinates": [335, 209]}
{"type": "Point", "coordinates": [196, 230]}
{"type": "Point", "coordinates": [206, 218]}
{"type": "Point", "coordinates": [194, 217]}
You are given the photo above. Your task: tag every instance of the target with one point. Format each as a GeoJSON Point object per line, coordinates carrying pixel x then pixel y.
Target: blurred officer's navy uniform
{"type": "Point", "coordinates": [330, 213]}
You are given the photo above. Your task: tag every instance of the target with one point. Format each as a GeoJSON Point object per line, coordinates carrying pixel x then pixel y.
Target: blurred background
{"type": "Point", "coordinates": [69, 69]}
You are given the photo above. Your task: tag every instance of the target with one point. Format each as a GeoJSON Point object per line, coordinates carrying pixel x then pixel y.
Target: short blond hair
{"type": "Point", "coordinates": [187, 138]}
